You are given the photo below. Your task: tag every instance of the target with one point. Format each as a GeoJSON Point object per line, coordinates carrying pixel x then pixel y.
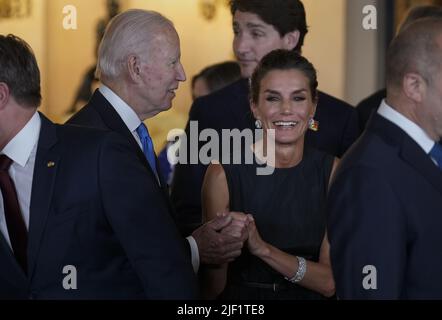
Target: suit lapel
{"type": "Point", "coordinates": [163, 185]}
{"type": "Point", "coordinates": [45, 171]}
{"type": "Point", "coordinates": [10, 265]}
{"type": "Point", "coordinates": [409, 151]}
{"type": "Point", "coordinates": [114, 122]}
{"type": "Point", "coordinates": [421, 162]}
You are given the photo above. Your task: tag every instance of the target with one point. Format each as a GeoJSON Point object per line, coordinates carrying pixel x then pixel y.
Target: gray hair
{"type": "Point", "coordinates": [127, 33]}
{"type": "Point", "coordinates": [420, 12]}
{"type": "Point", "coordinates": [415, 49]}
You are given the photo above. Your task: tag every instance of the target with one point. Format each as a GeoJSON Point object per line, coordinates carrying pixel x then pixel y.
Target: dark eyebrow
{"type": "Point", "coordinates": [299, 91]}
{"type": "Point", "coordinates": [271, 91]}
{"type": "Point", "coordinates": [277, 92]}
{"type": "Point", "coordinates": [251, 25]}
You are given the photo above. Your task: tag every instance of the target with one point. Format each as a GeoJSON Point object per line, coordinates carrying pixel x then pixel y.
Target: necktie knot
{"type": "Point", "coordinates": [142, 131]}
{"type": "Point", "coordinates": [436, 154]}
{"type": "Point", "coordinates": [5, 162]}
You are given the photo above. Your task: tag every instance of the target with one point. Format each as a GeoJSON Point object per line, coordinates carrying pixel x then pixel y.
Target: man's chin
{"type": "Point", "coordinates": [247, 71]}
{"type": "Point", "coordinates": [167, 107]}
{"type": "Point", "coordinates": [159, 109]}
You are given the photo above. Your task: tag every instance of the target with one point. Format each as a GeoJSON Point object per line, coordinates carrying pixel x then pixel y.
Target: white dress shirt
{"type": "Point", "coordinates": [21, 150]}
{"type": "Point", "coordinates": [126, 113]}
{"type": "Point", "coordinates": [132, 122]}
{"type": "Point", "coordinates": [413, 130]}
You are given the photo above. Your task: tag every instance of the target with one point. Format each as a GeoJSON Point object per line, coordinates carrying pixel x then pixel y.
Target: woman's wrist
{"type": "Point", "coordinates": [263, 251]}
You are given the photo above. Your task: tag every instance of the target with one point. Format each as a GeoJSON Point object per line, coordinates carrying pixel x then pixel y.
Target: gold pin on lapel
{"type": "Point", "coordinates": [51, 164]}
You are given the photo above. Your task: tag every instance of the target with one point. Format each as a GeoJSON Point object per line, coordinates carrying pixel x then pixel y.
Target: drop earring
{"type": "Point", "coordinates": [258, 124]}
{"type": "Point", "coordinates": [313, 125]}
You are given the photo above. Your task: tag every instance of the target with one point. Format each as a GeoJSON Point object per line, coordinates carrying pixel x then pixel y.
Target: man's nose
{"type": "Point", "coordinates": [181, 74]}
{"type": "Point", "coordinates": [241, 44]}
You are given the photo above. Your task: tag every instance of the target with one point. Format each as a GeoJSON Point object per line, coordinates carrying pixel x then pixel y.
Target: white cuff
{"type": "Point", "coordinates": [194, 253]}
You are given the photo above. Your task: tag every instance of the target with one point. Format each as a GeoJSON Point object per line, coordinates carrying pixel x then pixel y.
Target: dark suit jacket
{"type": "Point", "coordinates": [99, 113]}
{"type": "Point", "coordinates": [99, 210]}
{"type": "Point", "coordinates": [368, 106]}
{"type": "Point", "coordinates": [229, 108]}
{"type": "Point", "coordinates": [384, 210]}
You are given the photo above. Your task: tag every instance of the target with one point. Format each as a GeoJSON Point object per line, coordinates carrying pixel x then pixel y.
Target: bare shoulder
{"type": "Point", "coordinates": [216, 172]}
{"type": "Point", "coordinates": [215, 192]}
{"type": "Point", "coordinates": [215, 179]}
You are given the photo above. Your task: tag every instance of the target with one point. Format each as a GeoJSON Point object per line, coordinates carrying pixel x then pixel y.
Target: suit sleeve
{"type": "Point", "coordinates": [188, 180]}
{"type": "Point", "coordinates": [367, 234]}
{"type": "Point", "coordinates": [138, 214]}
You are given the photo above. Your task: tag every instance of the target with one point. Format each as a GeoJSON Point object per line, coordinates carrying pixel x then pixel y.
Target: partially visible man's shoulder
{"type": "Point", "coordinates": [337, 104]}
{"type": "Point", "coordinates": [371, 151]}
{"type": "Point", "coordinates": [87, 117]}
{"type": "Point", "coordinates": [80, 136]}
{"type": "Point", "coordinates": [221, 99]}
{"type": "Point", "coordinates": [373, 101]}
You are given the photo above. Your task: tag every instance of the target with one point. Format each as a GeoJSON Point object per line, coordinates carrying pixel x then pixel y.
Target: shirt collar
{"type": "Point", "coordinates": [126, 113]}
{"type": "Point", "coordinates": [20, 147]}
{"type": "Point", "coordinates": [412, 129]}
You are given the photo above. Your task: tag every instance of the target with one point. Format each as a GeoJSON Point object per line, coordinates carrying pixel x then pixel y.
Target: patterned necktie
{"type": "Point", "coordinates": [436, 154]}
{"type": "Point", "coordinates": [148, 149]}
{"type": "Point", "coordinates": [14, 219]}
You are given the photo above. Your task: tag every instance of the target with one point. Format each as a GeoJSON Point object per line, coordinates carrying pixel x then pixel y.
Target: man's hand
{"type": "Point", "coordinates": [238, 227]}
{"type": "Point", "coordinates": [221, 239]}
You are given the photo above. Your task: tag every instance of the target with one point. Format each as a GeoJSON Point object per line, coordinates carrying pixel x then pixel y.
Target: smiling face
{"type": "Point", "coordinates": [285, 104]}
{"type": "Point", "coordinates": [161, 71]}
{"type": "Point", "coordinates": [253, 39]}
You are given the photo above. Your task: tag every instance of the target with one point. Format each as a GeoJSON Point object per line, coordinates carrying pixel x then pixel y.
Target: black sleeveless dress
{"type": "Point", "coordinates": [288, 208]}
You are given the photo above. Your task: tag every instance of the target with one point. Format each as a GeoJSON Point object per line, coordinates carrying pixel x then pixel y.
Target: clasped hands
{"type": "Point", "coordinates": [221, 240]}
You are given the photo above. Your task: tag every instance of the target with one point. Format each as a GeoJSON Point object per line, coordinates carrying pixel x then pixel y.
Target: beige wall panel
{"type": "Point", "coordinates": [325, 43]}
{"type": "Point", "coordinates": [32, 30]}
{"type": "Point", "coordinates": [70, 52]}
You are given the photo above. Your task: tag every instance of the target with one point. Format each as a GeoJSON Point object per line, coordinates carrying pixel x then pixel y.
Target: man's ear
{"type": "Point", "coordinates": [4, 95]}
{"type": "Point", "coordinates": [414, 86]}
{"type": "Point", "coordinates": [291, 39]}
{"type": "Point", "coordinates": [134, 67]}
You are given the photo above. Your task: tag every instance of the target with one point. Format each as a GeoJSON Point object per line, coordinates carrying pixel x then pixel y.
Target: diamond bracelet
{"type": "Point", "coordinates": [302, 269]}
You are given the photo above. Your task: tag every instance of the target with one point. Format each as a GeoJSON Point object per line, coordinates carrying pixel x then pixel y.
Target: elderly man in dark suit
{"type": "Point", "coordinates": [140, 69]}
{"type": "Point", "coordinates": [79, 218]}
{"type": "Point", "coordinates": [259, 26]}
{"type": "Point", "coordinates": [385, 203]}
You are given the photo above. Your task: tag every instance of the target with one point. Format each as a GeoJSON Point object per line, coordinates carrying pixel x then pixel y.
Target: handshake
{"type": "Point", "coordinates": [222, 239]}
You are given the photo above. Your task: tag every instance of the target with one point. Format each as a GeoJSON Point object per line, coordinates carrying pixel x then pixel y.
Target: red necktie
{"type": "Point", "coordinates": [14, 220]}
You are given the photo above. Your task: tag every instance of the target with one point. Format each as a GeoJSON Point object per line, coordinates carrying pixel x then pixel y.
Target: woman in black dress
{"type": "Point", "coordinates": [286, 255]}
